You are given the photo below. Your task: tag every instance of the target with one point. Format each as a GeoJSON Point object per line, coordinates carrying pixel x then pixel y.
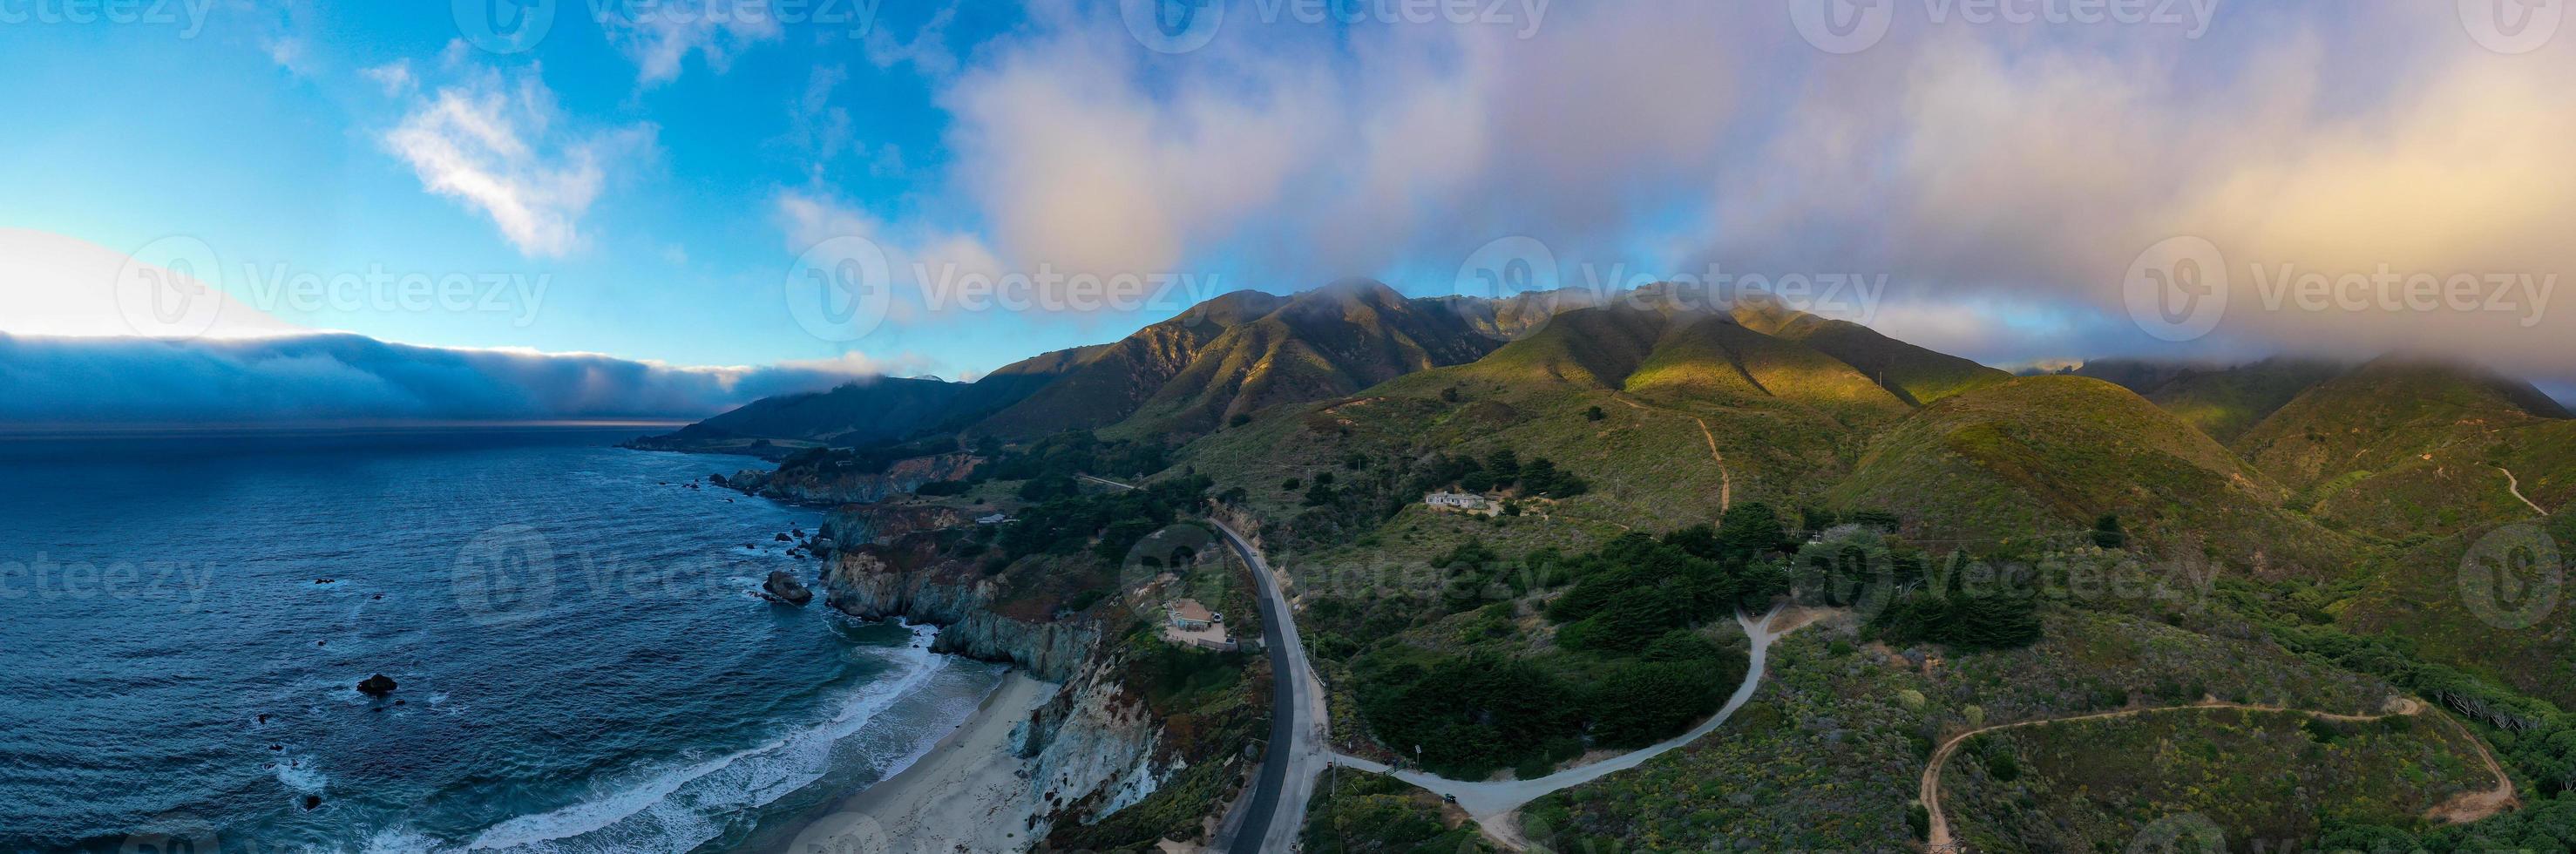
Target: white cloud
{"type": "Point", "coordinates": [289, 53]}
{"type": "Point", "coordinates": [660, 36]}
{"type": "Point", "coordinates": [502, 150]}
{"type": "Point", "coordinates": [1968, 162]}
{"type": "Point", "coordinates": [395, 77]}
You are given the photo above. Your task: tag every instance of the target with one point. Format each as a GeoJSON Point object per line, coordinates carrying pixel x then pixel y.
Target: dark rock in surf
{"type": "Point", "coordinates": [784, 588]}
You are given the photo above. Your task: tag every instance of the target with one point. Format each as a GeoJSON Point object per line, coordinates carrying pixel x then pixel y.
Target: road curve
{"type": "Point", "coordinates": [1276, 815]}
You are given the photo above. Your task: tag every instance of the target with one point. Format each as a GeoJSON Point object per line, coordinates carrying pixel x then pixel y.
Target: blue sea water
{"type": "Point", "coordinates": [583, 662]}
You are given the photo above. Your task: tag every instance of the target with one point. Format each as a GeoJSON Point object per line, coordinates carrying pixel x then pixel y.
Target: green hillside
{"type": "Point", "coordinates": [1322, 343]}
{"type": "Point", "coordinates": [2223, 402]}
{"type": "Point", "coordinates": [1668, 417]}
{"type": "Point", "coordinates": [886, 409]}
{"type": "Point", "coordinates": [2040, 458]}
{"type": "Point", "coordinates": [2399, 448]}
{"type": "Point", "coordinates": [1107, 383]}
{"type": "Point", "coordinates": [1914, 374]}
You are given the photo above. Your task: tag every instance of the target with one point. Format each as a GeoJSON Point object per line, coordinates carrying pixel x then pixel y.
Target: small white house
{"type": "Point", "coordinates": [1189, 615]}
{"type": "Point", "coordinates": [1457, 501]}
{"type": "Point", "coordinates": [995, 519]}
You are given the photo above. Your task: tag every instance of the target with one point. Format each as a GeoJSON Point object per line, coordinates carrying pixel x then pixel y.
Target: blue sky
{"type": "Point", "coordinates": [263, 135]}
{"type": "Point", "coordinates": [1994, 183]}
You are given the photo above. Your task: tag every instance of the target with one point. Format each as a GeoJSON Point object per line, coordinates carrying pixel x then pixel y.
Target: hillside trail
{"type": "Point", "coordinates": [1725, 477]}
{"type": "Point", "coordinates": [1495, 804]}
{"type": "Point", "coordinates": [2469, 806]}
{"type": "Point", "coordinates": [2515, 485]}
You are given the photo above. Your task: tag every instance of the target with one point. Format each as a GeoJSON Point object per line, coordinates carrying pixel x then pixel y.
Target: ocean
{"type": "Point", "coordinates": [582, 661]}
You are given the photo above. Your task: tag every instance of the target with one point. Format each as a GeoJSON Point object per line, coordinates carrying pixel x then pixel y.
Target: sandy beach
{"type": "Point", "coordinates": [964, 795]}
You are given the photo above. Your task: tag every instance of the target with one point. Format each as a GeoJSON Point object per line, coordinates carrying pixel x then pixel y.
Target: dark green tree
{"type": "Point", "coordinates": [2108, 534]}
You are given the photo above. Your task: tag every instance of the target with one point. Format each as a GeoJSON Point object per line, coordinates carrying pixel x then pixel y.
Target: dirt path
{"type": "Point", "coordinates": [1495, 804]}
{"type": "Point", "coordinates": [2472, 806]}
{"type": "Point", "coordinates": [1725, 477]}
{"type": "Point", "coordinates": [2466, 807]}
{"type": "Point", "coordinates": [2515, 485]}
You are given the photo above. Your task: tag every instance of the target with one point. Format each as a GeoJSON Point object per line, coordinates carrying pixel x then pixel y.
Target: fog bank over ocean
{"type": "Point", "coordinates": [340, 376]}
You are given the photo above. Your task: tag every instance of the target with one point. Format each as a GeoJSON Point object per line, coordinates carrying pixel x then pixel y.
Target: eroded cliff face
{"type": "Point", "coordinates": [1094, 748]}
{"type": "Point", "coordinates": [829, 483]}
{"type": "Point", "coordinates": [853, 525]}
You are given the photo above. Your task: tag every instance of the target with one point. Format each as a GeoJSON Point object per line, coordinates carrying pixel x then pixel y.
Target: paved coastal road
{"type": "Point", "coordinates": [1278, 809]}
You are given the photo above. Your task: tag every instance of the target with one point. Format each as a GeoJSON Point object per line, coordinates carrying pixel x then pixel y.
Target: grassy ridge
{"type": "Point", "coordinates": [2047, 455]}
{"type": "Point", "coordinates": [2254, 775]}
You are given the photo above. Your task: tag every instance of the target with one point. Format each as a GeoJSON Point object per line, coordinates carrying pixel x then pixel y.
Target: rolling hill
{"type": "Point", "coordinates": [1915, 375]}
{"type": "Point", "coordinates": [1322, 343]}
{"type": "Point", "coordinates": [2037, 459]}
{"type": "Point", "coordinates": [2223, 401]}
{"type": "Point", "coordinates": [2398, 448]}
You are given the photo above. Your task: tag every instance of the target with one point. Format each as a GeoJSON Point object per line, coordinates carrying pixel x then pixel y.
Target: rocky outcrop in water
{"type": "Point", "coordinates": [783, 587]}
{"type": "Point", "coordinates": [376, 686]}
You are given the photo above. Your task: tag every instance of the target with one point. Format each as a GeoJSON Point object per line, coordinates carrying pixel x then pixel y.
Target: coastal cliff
{"type": "Point", "coordinates": [828, 479]}
{"type": "Point", "coordinates": [910, 579]}
{"type": "Point", "coordinates": [1096, 746]}
{"type": "Point", "coordinates": [852, 525]}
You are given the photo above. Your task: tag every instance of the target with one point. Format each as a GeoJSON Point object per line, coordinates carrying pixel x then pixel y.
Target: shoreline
{"type": "Point", "coordinates": [967, 790]}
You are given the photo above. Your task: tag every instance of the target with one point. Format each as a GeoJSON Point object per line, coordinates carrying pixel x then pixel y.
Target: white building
{"type": "Point", "coordinates": [1457, 501]}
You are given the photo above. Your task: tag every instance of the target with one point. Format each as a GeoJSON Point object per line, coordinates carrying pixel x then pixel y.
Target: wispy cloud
{"type": "Point", "coordinates": [501, 148]}
{"type": "Point", "coordinates": [660, 36]}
